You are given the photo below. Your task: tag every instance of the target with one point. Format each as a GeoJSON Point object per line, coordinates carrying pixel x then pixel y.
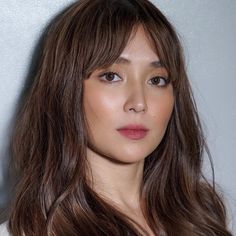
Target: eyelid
{"type": "Point", "coordinates": [165, 78]}
{"type": "Point", "coordinates": [106, 72]}
{"type": "Point", "coordinates": [111, 72]}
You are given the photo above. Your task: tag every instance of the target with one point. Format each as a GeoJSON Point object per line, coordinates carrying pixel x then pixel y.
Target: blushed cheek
{"type": "Point", "coordinates": [100, 107]}
{"type": "Point", "coordinates": [162, 111]}
{"type": "Point", "coordinates": [166, 111]}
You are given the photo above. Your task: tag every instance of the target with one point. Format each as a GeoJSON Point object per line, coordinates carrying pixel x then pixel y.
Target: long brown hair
{"type": "Point", "coordinates": [49, 144]}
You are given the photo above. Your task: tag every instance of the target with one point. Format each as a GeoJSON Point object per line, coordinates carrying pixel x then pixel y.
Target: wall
{"type": "Point", "coordinates": [208, 32]}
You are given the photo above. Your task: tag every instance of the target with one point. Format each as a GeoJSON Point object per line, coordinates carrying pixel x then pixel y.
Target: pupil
{"type": "Point", "coordinates": [156, 80]}
{"type": "Point", "coordinates": [110, 76]}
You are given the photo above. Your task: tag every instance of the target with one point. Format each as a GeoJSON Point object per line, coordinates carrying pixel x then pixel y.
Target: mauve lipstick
{"type": "Point", "coordinates": [134, 132]}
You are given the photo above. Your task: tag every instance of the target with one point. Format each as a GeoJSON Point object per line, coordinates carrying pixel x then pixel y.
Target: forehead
{"type": "Point", "coordinates": [140, 50]}
{"type": "Point", "coordinates": [140, 43]}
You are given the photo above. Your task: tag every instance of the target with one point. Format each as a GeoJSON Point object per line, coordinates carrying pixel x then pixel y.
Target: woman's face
{"type": "Point", "coordinates": [129, 104]}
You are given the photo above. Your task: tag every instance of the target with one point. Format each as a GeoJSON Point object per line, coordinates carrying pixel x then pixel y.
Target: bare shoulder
{"type": "Point", "coordinates": [4, 230]}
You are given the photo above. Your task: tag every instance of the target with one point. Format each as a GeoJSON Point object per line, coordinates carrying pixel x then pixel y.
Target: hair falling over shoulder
{"type": "Point", "coordinates": [53, 196]}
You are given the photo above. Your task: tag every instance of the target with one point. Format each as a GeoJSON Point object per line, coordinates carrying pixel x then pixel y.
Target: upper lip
{"type": "Point", "coordinates": [134, 127]}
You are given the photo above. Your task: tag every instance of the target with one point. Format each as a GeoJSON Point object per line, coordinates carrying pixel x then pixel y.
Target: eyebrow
{"type": "Point", "coordinates": [122, 60]}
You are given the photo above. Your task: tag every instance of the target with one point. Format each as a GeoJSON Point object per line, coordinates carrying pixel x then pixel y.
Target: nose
{"type": "Point", "coordinates": [136, 100]}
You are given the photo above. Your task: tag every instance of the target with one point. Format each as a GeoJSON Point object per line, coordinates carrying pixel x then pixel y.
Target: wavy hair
{"type": "Point", "coordinates": [53, 196]}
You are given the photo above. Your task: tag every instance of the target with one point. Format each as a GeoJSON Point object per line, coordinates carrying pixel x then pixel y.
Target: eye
{"type": "Point", "coordinates": [110, 77]}
{"type": "Point", "coordinates": [159, 81]}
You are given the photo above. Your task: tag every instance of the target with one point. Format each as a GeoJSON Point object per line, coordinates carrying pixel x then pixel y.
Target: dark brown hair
{"type": "Point", "coordinates": [49, 144]}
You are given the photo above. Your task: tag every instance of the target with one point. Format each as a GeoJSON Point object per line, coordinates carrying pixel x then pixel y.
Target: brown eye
{"type": "Point", "coordinates": [159, 81]}
{"type": "Point", "coordinates": [110, 77]}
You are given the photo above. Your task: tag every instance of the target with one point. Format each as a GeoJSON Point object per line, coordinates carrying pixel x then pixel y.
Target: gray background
{"type": "Point", "coordinates": [208, 33]}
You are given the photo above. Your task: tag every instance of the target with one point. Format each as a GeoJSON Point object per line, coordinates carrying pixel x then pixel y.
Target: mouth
{"type": "Point", "coordinates": [134, 132]}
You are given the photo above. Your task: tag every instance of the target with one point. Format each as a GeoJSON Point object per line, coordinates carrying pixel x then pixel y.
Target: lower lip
{"type": "Point", "coordinates": [133, 133]}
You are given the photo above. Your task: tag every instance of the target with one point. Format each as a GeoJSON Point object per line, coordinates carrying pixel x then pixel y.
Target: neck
{"type": "Point", "coordinates": [117, 182]}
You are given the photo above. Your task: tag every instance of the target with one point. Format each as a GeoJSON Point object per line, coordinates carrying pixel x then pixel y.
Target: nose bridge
{"type": "Point", "coordinates": [136, 96]}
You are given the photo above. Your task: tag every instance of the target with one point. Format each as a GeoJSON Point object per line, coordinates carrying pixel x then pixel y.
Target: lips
{"type": "Point", "coordinates": [134, 132]}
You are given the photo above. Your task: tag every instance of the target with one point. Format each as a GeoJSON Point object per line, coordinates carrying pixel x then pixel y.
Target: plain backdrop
{"type": "Point", "coordinates": [207, 30]}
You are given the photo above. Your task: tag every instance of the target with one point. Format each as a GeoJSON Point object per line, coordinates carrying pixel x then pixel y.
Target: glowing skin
{"type": "Point", "coordinates": [112, 101]}
{"type": "Point", "coordinates": [132, 96]}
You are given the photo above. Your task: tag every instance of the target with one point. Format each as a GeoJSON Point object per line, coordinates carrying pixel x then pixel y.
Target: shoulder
{"type": "Point", "coordinates": [4, 230]}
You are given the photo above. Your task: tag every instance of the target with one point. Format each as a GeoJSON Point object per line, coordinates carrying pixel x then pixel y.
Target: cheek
{"type": "Point", "coordinates": [161, 110]}
{"type": "Point", "coordinates": [99, 106]}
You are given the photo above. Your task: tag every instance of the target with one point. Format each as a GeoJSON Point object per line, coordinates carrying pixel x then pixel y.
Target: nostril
{"type": "Point", "coordinates": [138, 109]}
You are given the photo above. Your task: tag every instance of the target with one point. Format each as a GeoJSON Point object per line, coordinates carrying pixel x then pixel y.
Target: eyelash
{"type": "Point", "coordinates": [107, 73]}
{"type": "Point", "coordinates": [166, 80]}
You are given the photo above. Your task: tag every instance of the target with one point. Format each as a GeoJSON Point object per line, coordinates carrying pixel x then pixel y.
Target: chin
{"type": "Point", "coordinates": [122, 153]}
{"type": "Point", "coordinates": [130, 156]}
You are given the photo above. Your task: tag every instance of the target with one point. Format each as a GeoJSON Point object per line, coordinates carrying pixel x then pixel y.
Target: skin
{"type": "Point", "coordinates": [131, 97]}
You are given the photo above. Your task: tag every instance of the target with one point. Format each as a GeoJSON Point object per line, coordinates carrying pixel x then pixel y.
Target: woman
{"type": "Point", "coordinates": [109, 141]}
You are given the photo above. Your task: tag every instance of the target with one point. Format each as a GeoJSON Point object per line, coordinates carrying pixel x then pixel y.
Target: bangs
{"type": "Point", "coordinates": [100, 30]}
